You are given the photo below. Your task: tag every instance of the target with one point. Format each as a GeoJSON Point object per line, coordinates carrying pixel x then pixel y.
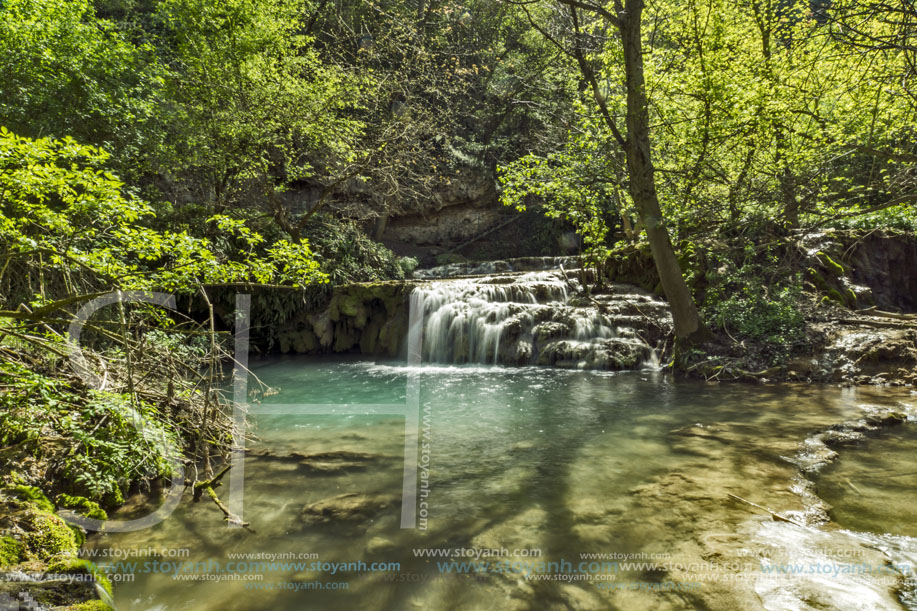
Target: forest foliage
{"type": "Point", "coordinates": [785, 114]}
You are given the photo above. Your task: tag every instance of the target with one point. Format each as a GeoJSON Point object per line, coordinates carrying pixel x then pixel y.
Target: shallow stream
{"type": "Point", "coordinates": [532, 465]}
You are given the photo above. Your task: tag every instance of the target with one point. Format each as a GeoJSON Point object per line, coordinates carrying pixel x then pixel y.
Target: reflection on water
{"type": "Point", "coordinates": [565, 462]}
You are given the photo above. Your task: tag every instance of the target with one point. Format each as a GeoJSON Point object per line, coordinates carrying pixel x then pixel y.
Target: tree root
{"type": "Point", "coordinates": [713, 372]}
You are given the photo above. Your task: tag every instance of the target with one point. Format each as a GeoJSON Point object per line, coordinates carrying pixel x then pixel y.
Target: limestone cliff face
{"type": "Point", "coordinates": [465, 208]}
{"type": "Point", "coordinates": [448, 227]}
{"type": "Point", "coordinates": [859, 270]}
{"type": "Point", "coordinates": [464, 218]}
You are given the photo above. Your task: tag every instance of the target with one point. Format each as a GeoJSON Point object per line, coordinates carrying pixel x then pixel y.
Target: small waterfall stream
{"type": "Point", "coordinates": [539, 318]}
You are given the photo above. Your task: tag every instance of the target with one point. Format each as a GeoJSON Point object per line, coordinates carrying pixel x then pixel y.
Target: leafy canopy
{"type": "Point", "coordinates": [58, 202]}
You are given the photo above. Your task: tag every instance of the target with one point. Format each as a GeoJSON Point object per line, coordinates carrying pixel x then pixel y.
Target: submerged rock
{"type": "Point", "coordinates": [379, 545]}
{"type": "Point", "coordinates": [815, 452]}
{"type": "Point", "coordinates": [351, 507]}
{"type": "Point", "coordinates": [323, 463]}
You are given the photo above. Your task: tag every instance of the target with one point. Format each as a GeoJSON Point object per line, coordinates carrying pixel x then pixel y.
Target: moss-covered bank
{"type": "Point", "coordinates": [39, 553]}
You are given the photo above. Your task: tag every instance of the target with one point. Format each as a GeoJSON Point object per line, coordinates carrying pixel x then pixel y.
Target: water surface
{"type": "Point", "coordinates": [567, 463]}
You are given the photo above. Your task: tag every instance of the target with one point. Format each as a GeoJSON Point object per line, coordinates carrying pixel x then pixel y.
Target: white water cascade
{"type": "Point", "coordinates": [538, 318]}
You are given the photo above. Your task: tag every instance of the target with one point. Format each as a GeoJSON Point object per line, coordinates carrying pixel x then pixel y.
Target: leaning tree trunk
{"type": "Point", "coordinates": [688, 327]}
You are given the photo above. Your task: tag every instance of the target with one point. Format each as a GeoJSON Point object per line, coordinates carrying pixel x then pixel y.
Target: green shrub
{"type": "Point", "coordinates": [108, 450]}
{"type": "Point", "coordinates": [769, 315]}
{"type": "Point", "coordinates": [903, 218]}
{"type": "Point", "coordinates": [755, 304]}
{"type": "Point", "coordinates": [347, 254]}
{"type": "Point", "coordinates": [408, 265]}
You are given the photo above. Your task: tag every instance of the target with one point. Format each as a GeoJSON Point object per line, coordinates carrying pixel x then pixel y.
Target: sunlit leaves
{"type": "Point", "coordinates": [252, 105]}
{"type": "Point", "coordinates": [64, 72]}
{"type": "Point", "coordinates": [57, 200]}
{"type": "Point", "coordinates": [579, 185]}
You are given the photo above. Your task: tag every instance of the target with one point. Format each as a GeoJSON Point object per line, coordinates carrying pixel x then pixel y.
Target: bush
{"type": "Point", "coordinates": [770, 316]}
{"type": "Point", "coordinates": [109, 451]}
{"type": "Point", "coordinates": [751, 306]}
{"type": "Point", "coordinates": [903, 218]}
{"type": "Point", "coordinates": [347, 254]}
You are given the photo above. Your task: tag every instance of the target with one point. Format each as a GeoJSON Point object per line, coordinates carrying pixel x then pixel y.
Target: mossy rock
{"type": "Point", "coordinates": [11, 551]}
{"type": "Point", "coordinates": [32, 496]}
{"type": "Point", "coordinates": [369, 340]}
{"type": "Point", "coordinates": [345, 337]}
{"type": "Point", "coordinates": [285, 341]}
{"type": "Point", "coordinates": [78, 533]}
{"type": "Point", "coordinates": [305, 342]}
{"type": "Point", "coordinates": [392, 334]}
{"type": "Point", "coordinates": [836, 295]}
{"type": "Point", "coordinates": [851, 297]}
{"type": "Point", "coordinates": [817, 279]}
{"type": "Point", "coordinates": [834, 268]}
{"type": "Point", "coordinates": [77, 566]}
{"type": "Point", "coordinates": [51, 594]}
{"type": "Point", "coordinates": [350, 305]}
{"type": "Point", "coordinates": [47, 535]}
{"type": "Point", "coordinates": [90, 605]}
{"type": "Point", "coordinates": [323, 328]}
{"type": "Point", "coordinates": [82, 506]}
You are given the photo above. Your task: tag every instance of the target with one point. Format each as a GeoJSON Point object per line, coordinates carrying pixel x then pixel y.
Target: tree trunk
{"type": "Point", "coordinates": [688, 327]}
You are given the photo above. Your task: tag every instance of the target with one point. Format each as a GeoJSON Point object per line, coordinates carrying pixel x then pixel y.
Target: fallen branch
{"type": "Point", "coordinates": [877, 324]}
{"type": "Point", "coordinates": [855, 489]}
{"type": "Point", "coordinates": [879, 313]}
{"type": "Point", "coordinates": [208, 486]}
{"type": "Point", "coordinates": [774, 514]}
{"type": "Point", "coordinates": [563, 273]}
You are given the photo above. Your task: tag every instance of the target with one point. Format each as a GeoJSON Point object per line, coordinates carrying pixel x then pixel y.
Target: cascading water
{"type": "Point", "coordinates": [532, 318]}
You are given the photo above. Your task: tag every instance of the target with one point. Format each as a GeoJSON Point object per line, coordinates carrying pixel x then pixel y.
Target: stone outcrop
{"type": "Point", "coordinates": [370, 318]}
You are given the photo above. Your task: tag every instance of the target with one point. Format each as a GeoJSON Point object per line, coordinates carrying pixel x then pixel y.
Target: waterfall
{"type": "Point", "coordinates": [532, 318]}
